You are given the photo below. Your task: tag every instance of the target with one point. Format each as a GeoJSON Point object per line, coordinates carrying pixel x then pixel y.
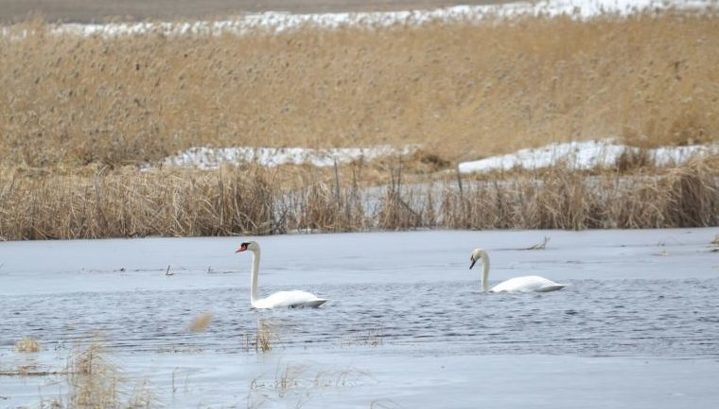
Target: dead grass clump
{"type": "Point", "coordinates": [691, 196]}
{"type": "Point", "coordinates": [320, 207]}
{"type": "Point", "coordinates": [201, 322]}
{"type": "Point", "coordinates": [94, 381]}
{"type": "Point", "coordinates": [131, 204]}
{"type": "Point", "coordinates": [633, 159]}
{"type": "Point", "coordinates": [423, 161]}
{"type": "Point", "coordinates": [395, 210]}
{"type": "Point", "coordinates": [321, 203]}
{"type": "Point", "coordinates": [97, 383]}
{"type": "Point", "coordinates": [264, 338]}
{"type": "Point", "coordinates": [686, 196]}
{"type": "Point", "coordinates": [27, 345]}
{"type": "Point", "coordinates": [395, 214]}
{"type": "Point", "coordinates": [563, 201]}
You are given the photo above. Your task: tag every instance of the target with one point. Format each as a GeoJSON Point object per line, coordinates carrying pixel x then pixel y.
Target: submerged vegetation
{"type": "Point", "coordinates": [81, 115]}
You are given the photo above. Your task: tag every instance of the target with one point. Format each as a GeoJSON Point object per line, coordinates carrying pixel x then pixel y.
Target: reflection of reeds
{"type": "Point", "coordinates": [372, 337]}
{"type": "Point", "coordinates": [299, 383]}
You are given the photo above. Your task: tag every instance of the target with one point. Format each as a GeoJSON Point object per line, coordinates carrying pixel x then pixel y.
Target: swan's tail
{"type": "Point", "coordinates": [310, 304]}
{"type": "Point", "coordinates": [553, 287]}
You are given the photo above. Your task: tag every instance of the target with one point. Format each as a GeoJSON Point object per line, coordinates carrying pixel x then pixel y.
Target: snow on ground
{"type": "Point", "coordinates": [584, 155]}
{"type": "Point", "coordinates": [212, 158]}
{"type": "Point", "coordinates": [577, 155]}
{"type": "Point", "coordinates": [283, 21]}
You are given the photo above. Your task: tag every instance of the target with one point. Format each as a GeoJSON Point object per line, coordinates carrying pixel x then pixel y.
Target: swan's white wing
{"type": "Point", "coordinates": [294, 299]}
{"type": "Point", "coordinates": [527, 284]}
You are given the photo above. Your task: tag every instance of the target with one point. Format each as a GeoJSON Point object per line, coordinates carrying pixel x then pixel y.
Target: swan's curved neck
{"type": "Point", "coordinates": [485, 271]}
{"type": "Point", "coordinates": [254, 293]}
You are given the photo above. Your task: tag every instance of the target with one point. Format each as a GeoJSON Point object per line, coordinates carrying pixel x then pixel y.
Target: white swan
{"type": "Point", "coordinates": [291, 299]}
{"type": "Point", "coordinates": [522, 284]}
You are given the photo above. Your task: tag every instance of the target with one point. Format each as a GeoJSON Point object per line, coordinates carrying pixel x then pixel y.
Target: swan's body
{"type": "Point", "coordinates": [522, 284]}
{"type": "Point", "coordinates": [289, 299]}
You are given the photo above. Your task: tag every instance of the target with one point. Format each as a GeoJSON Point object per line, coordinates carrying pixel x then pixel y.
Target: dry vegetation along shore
{"type": "Point", "coordinates": [78, 115]}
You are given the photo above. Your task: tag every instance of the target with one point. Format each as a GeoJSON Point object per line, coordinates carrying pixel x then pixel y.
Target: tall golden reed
{"type": "Point", "coordinates": [463, 91]}
{"type": "Point", "coordinates": [253, 201]}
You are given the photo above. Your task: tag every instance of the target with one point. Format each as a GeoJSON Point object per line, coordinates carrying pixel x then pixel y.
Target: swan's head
{"type": "Point", "coordinates": [477, 254]}
{"type": "Point", "coordinates": [248, 245]}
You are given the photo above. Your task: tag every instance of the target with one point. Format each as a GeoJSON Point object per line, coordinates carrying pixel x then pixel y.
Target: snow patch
{"type": "Point", "coordinates": [212, 158]}
{"type": "Point", "coordinates": [282, 21]}
{"type": "Point", "coordinates": [584, 155]}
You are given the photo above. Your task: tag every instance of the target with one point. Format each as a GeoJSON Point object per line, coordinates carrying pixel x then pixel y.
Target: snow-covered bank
{"type": "Point", "coordinates": [212, 158]}
{"type": "Point", "coordinates": [585, 155]}
{"type": "Point", "coordinates": [577, 155]}
{"type": "Point", "coordinates": [282, 21]}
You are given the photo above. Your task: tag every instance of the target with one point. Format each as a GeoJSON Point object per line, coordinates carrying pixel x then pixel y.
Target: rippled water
{"type": "Point", "coordinates": [649, 295]}
{"type": "Point", "coordinates": [591, 317]}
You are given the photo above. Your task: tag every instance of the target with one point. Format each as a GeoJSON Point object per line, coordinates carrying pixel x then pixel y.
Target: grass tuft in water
{"type": "Point", "coordinates": [27, 345]}
{"type": "Point", "coordinates": [201, 322]}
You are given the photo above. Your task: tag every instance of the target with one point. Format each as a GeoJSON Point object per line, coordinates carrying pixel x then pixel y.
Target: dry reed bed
{"type": "Point", "coordinates": [462, 91]}
{"type": "Point", "coordinates": [237, 201]}
{"type": "Point", "coordinates": [93, 381]}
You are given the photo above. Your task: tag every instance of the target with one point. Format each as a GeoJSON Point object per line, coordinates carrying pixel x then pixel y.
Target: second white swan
{"type": "Point", "coordinates": [518, 284]}
{"type": "Point", "coordinates": [290, 299]}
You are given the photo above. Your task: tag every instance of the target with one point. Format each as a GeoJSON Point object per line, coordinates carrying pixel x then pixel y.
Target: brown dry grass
{"type": "Point", "coordinates": [236, 201]}
{"type": "Point", "coordinates": [132, 204]}
{"type": "Point", "coordinates": [27, 345]}
{"type": "Point", "coordinates": [201, 322]}
{"type": "Point", "coordinates": [75, 111]}
{"type": "Point", "coordinates": [462, 91]}
{"type": "Point", "coordinates": [686, 196]}
{"type": "Point", "coordinates": [94, 383]}
{"type": "Point", "coordinates": [264, 339]}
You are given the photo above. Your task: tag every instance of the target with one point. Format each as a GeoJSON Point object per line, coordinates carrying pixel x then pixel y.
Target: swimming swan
{"type": "Point", "coordinates": [291, 299]}
{"type": "Point", "coordinates": [522, 284]}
